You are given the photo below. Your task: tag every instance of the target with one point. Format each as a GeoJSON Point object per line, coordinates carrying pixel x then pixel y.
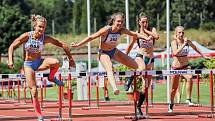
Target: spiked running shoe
{"type": "Point", "coordinates": [58, 82]}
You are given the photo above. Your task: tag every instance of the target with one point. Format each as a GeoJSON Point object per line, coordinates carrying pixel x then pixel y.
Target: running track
{"type": "Point", "coordinates": [108, 111]}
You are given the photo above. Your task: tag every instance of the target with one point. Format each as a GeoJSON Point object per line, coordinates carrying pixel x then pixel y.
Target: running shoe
{"type": "Point", "coordinates": [107, 99]}
{"type": "Point", "coordinates": [58, 82]}
{"type": "Point", "coordinates": [128, 83]}
{"type": "Point", "coordinates": [40, 119]}
{"type": "Point", "coordinates": [170, 108]}
{"type": "Point", "coordinates": [189, 102]}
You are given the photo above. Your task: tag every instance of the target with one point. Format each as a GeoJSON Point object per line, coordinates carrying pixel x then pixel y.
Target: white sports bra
{"type": "Point", "coordinates": [111, 38]}
{"type": "Point", "coordinates": [34, 46]}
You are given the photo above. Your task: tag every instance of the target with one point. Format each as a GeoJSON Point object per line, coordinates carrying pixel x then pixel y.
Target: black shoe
{"type": "Point", "coordinates": [107, 99]}
{"type": "Point", "coordinates": [170, 108]}
{"type": "Point", "coordinates": [128, 83]}
{"type": "Point", "coordinates": [139, 111]}
{"type": "Point", "coordinates": [126, 87]}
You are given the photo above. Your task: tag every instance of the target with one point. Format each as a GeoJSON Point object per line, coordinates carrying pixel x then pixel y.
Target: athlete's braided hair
{"type": "Point", "coordinates": [35, 18]}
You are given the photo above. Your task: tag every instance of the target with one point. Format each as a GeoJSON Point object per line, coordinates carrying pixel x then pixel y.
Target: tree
{"type": "Point", "coordinates": [84, 16]}
{"type": "Point", "coordinates": [13, 23]}
{"type": "Point", "coordinates": [76, 17]}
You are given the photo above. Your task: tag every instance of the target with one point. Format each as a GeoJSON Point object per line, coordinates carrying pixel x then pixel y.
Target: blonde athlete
{"type": "Point", "coordinates": [144, 55]}
{"type": "Point", "coordinates": [110, 35]}
{"type": "Point", "coordinates": [180, 49]}
{"type": "Point", "coordinates": [34, 42]}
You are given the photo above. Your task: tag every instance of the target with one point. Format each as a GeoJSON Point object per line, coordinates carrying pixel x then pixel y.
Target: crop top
{"type": "Point", "coordinates": [145, 43]}
{"type": "Point", "coordinates": [184, 52]}
{"type": "Point", "coordinates": [111, 38]}
{"type": "Point", "coordinates": [34, 46]}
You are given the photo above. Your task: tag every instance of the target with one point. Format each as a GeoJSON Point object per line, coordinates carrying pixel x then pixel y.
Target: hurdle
{"type": "Point", "coordinates": [152, 72]}
{"type": "Point", "coordinates": [89, 94]}
{"type": "Point", "coordinates": [211, 115]}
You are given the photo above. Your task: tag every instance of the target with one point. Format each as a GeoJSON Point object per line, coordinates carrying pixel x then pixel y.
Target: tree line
{"type": "Point", "coordinates": [70, 16]}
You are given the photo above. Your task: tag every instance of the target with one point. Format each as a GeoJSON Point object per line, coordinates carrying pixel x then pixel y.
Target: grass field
{"type": "Point", "coordinates": [203, 37]}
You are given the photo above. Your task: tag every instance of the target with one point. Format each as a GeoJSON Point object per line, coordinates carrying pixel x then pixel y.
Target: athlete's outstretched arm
{"type": "Point", "coordinates": [18, 41]}
{"type": "Point", "coordinates": [63, 45]}
{"type": "Point", "coordinates": [197, 49]}
{"type": "Point", "coordinates": [99, 33]}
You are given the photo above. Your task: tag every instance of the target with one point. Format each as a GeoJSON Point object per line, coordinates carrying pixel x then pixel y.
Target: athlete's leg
{"type": "Point", "coordinates": [189, 87]}
{"type": "Point", "coordinates": [128, 61]}
{"type": "Point", "coordinates": [174, 87]}
{"type": "Point", "coordinates": [30, 77]}
{"type": "Point", "coordinates": [106, 95]}
{"type": "Point", "coordinates": [108, 66]}
{"type": "Point", "coordinates": [142, 95]}
{"type": "Point", "coordinates": [125, 59]}
{"type": "Point", "coordinates": [53, 64]}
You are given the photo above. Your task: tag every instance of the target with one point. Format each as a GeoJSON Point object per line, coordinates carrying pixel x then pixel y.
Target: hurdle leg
{"type": "Point", "coordinates": [146, 92]}
{"type": "Point", "coordinates": [2, 88]}
{"type": "Point", "coordinates": [70, 96]}
{"type": "Point", "coordinates": [211, 93]}
{"type": "Point", "coordinates": [197, 90]}
{"type": "Point", "coordinates": [97, 91]}
{"type": "Point", "coordinates": [151, 92]}
{"type": "Point", "coordinates": [60, 99]}
{"type": "Point", "coordinates": [135, 101]}
{"type": "Point", "coordinates": [18, 83]}
{"type": "Point", "coordinates": [41, 94]}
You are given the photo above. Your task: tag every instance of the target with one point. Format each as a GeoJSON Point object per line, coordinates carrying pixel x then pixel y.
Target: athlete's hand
{"type": "Point", "coordinates": [150, 37]}
{"type": "Point", "coordinates": [71, 62]}
{"type": "Point", "coordinates": [74, 44]}
{"type": "Point", "coordinates": [186, 41]}
{"type": "Point", "coordinates": [10, 65]}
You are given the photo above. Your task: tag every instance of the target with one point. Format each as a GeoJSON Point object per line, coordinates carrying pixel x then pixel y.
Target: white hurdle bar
{"type": "Point", "coordinates": [122, 73]}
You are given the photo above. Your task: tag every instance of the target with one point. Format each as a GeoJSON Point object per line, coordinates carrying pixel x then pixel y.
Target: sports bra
{"type": "Point", "coordinates": [34, 46]}
{"type": "Point", "coordinates": [111, 38]}
{"type": "Point", "coordinates": [142, 43]}
{"type": "Point", "coordinates": [145, 43]}
{"type": "Point", "coordinates": [184, 52]}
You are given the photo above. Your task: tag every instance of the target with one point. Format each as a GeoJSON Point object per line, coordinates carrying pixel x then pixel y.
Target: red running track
{"type": "Point", "coordinates": [108, 111]}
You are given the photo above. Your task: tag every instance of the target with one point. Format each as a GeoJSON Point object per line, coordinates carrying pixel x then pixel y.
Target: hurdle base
{"type": "Point", "coordinates": [211, 115]}
{"type": "Point", "coordinates": [134, 118]}
{"type": "Point", "coordinates": [88, 108]}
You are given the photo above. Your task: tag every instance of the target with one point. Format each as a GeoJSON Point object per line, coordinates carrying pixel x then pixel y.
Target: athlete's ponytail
{"type": "Point", "coordinates": [35, 18]}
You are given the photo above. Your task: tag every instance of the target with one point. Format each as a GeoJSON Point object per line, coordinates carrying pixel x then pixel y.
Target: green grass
{"type": "Point", "coordinates": [206, 38]}
{"type": "Point", "coordinates": [203, 37]}
{"type": "Point", "coordinates": [159, 94]}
